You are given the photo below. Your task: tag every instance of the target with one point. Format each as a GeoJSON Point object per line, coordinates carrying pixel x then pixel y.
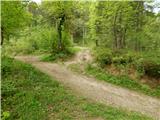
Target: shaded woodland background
{"type": "Point", "coordinates": [123, 32]}
{"type": "Point", "coordinates": [122, 37]}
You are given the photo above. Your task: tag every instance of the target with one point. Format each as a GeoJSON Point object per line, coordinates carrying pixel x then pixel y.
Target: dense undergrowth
{"type": "Point", "coordinates": [38, 40]}
{"type": "Point", "coordinates": [144, 63]}
{"type": "Point", "coordinates": [30, 94]}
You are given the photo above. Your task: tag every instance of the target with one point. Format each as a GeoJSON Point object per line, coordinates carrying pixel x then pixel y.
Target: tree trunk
{"type": "Point", "coordinates": [61, 22]}
{"type": "Point", "coordinates": [124, 38]}
{"type": "Point", "coordinates": [115, 29]}
{"type": "Point", "coordinates": [97, 44]}
{"type": "Point", "coordinates": [139, 14]}
{"type": "Point", "coordinates": [84, 35]}
{"type": "Point", "coordinates": [59, 37]}
{"type": "Point", "coordinates": [2, 36]}
{"type": "Point", "coordinates": [115, 33]}
{"type": "Point", "coordinates": [120, 32]}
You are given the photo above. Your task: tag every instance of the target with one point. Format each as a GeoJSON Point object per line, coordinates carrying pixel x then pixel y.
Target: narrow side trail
{"type": "Point", "coordinates": [98, 91]}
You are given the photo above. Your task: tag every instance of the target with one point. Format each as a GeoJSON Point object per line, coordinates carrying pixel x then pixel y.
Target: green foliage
{"type": "Point", "coordinates": [38, 97]}
{"type": "Point", "coordinates": [48, 58]}
{"type": "Point", "coordinates": [106, 56]}
{"type": "Point", "coordinates": [56, 11]}
{"type": "Point", "coordinates": [60, 55]}
{"type": "Point", "coordinates": [123, 81]}
{"type": "Point", "coordinates": [14, 17]}
{"type": "Point", "coordinates": [110, 113]}
{"type": "Point", "coordinates": [151, 69]}
{"type": "Point", "coordinates": [148, 64]}
{"type": "Point", "coordinates": [5, 115]}
{"type": "Point", "coordinates": [43, 39]}
{"type": "Point", "coordinates": [103, 56]}
{"type": "Point", "coordinates": [124, 57]}
{"type": "Point", "coordinates": [138, 64]}
{"type": "Point", "coordinates": [145, 64]}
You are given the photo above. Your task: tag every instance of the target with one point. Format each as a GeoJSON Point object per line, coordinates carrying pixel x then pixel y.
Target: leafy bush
{"type": "Point", "coordinates": [103, 56]}
{"type": "Point", "coordinates": [151, 69]}
{"type": "Point", "coordinates": [148, 64]}
{"type": "Point", "coordinates": [119, 60]}
{"type": "Point", "coordinates": [124, 57]}
{"type": "Point", "coordinates": [5, 115]}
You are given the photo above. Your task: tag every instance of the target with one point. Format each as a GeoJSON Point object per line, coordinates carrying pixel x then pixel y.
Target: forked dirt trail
{"type": "Point", "coordinates": [98, 90]}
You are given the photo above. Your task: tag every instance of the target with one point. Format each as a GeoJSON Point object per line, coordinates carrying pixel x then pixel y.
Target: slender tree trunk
{"type": "Point", "coordinates": [83, 35]}
{"type": "Point", "coordinates": [115, 29]}
{"type": "Point", "coordinates": [115, 32]}
{"type": "Point", "coordinates": [59, 37]}
{"type": "Point", "coordinates": [2, 36]}
{"type": "Point", "coordinates": [124, 38]}
{"type": "Point", "coordinates": [97, 44]}
{"type": "Point", "coordinates": [139, 20]}
{"type": "Point", "coordinates": [61, 22]}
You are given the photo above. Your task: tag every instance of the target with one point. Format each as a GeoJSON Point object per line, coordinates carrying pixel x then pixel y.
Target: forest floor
{"type": "Point", "coordinates": [98, 91]}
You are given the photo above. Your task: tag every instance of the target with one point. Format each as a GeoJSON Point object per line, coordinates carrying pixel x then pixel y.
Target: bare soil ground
{"type": "Point", "coordinates": [98, 91]}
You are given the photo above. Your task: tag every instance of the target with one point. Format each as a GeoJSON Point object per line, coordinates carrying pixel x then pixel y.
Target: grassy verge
{"type": "Point", "coordinates": [123, 81]}
{"type": "Point", "coordinates": [28, 94]}
{"type": "Point", "coordinates": [60, 56]}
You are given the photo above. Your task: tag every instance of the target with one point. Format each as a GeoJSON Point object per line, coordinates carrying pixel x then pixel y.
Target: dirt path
{"type": "Point", "coordinates": [84, 55]}
{"type": "Point", "coordinates": [98, 91]}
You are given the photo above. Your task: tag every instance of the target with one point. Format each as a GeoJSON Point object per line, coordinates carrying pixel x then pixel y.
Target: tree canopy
{"type": "Point", "coordinates": [13, 17]}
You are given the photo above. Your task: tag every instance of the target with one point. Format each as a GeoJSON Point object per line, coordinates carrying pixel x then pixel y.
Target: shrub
{"type": "Point", "coordinates": [5, 115]}
{"type": "Point", "coordinates": [123, 57]}
{"type": "Point", "coordinates": [151, 69]}
{"type": "Point", "coordinates": [103, 56]}
{"type": "Point", "coordinates": [119, 60]}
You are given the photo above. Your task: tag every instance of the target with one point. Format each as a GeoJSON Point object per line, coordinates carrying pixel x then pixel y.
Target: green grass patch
{"type": "Point", "coordinates": [60, 55]}
{"type": "Point", "coordinates": [28, 94]}
{"type": "Point", "coordinates": [123, 81]}
{"type": "Point", "coordinates": [74, 49]}
{"type": "Point", "coordinates": [110, 113]}
{"type": "Point", "coordinates": [55, 57]}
